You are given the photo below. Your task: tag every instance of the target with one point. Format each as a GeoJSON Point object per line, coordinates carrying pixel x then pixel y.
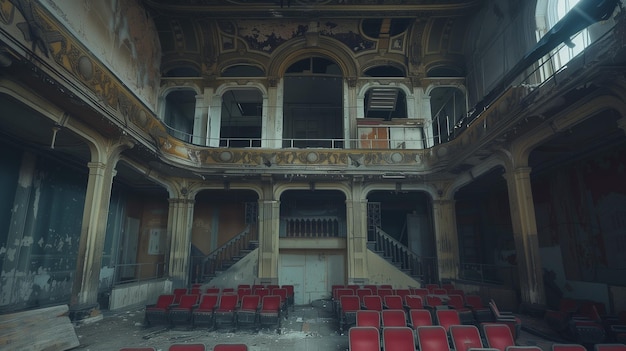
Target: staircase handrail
{"type": "Point", "coordinates": [208, 264]}
{"type": "Point", "coordinates": [236, 238]}
{"type": "Point", "coordinates": [401, 255]}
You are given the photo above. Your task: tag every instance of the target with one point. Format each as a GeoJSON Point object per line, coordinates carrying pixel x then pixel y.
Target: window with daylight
{"type": "Point", "coordinates": [548, 13]}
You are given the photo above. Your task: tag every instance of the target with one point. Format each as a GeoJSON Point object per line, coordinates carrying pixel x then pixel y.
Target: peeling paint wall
{"type": "Point", "coordinates": [39, 248]}
{"type": "Point", "coordinates": [121, 34]}
{"type": "Point", "coordinates": [581, 208]}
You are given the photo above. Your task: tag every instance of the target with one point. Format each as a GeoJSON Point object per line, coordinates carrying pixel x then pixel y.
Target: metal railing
{"type": "Point", "coordinates": [296, 143]}
{"type": "Point", "coordinates": [204, 267]}
{"type": "Point", "coordinates": [135, 272]}
{"type": "Point", "coordinates": [423, 268]}
{"type": "Point", "coordinates": [490, 274]}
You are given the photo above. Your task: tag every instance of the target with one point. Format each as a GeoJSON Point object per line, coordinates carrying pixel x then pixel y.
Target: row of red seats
{"type": "Point", "coordinates": [193, 347]}
{"type": "Point", "coordinates": [241, 289]}
{"type": "Point", "coordinates": [431, 338]}
{"type": "Point", "coordinates": [215, 311]}
{"type": "Point", "coordinates": [587, 322]}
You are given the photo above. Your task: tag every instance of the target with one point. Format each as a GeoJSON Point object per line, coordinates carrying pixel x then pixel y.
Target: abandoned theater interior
{"type": "Point", "coordinates": [149, 145]}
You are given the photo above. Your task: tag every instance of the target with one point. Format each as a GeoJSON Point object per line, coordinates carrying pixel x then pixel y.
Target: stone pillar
{"type": "Point", "coordinates": [93, 233]}
{"type": "Point", "coordinates": [269, 211]}
{"type": "Point", "coordinates": [349, 115]}
{"type": "Point", "coordinates": [179, 230]}
{"type": "Point", "coordinates": [356, 213]}
{"type": "Point", "coordinates": [446, 238]}
{"type": "Point", "coordinates": [274, 128]}
{"type": "Point", "coordinates": [214, 122]}
{"type": "Point", "coordinates": [525, 235]}
{"type": "Point", "coordinates": [200, 120]}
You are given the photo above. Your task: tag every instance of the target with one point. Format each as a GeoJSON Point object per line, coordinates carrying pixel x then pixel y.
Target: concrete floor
{"type": "Point", "coordinates": [307, 328]}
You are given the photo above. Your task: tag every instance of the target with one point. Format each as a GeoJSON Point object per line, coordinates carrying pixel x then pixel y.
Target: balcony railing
{"type": "Point", "coordinates": [312, 227]}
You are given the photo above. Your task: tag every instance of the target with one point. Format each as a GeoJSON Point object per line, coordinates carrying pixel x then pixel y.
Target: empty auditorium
{"type": "Point", "coordinates": [336, 175]}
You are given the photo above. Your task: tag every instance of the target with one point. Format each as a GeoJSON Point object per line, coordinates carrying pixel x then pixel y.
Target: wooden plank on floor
{"type": "Point", "coordinates": [47, 328]}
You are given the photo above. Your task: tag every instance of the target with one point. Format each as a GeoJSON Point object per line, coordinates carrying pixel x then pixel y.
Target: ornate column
{"type": "Point", "coordinates": [446, 239]}
{"type": "Point", "coordinates": [179, 223]}
{"type": "Point", "coordinates": [269, 211]}
{"type": "Point", "coordinates": [93, 233]}
{"type": "Point", "coordinates": [525, 235]}
{"type": "Point", "coordinates": [214, 121]}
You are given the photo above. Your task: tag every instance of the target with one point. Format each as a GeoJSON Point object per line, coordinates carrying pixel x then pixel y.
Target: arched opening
{"type": "Point", "coordinates": [580, 207]}
{"type": "Point", "coordinates": [180, 109]}
{"type": "Point", "coordinates": [312, 242]}
{"type": "Point", "coordinates": [136, 244]}
{"type": "Point", "coordinates": [402, 221]}
{"type": "Point", "coordinates": [313, 104]}
{"type": "Point", "coordinates": [241, 121]}
{"type": "Point", "coordinates": [485, 233]}
{"type": "Point", "coordinates": [224, 230]}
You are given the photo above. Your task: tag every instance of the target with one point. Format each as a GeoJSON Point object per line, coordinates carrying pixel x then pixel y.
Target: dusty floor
{"type": "Point", "coordinates": [308, 328]}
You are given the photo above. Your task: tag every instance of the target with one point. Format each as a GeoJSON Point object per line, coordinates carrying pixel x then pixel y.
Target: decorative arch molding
{"type": "Point", "coordinates": [284, 187]}
{"type": "Point", "coordinates": [297, 49]}
{"type": "Point", "coordinates": [388, 62]}
{"type": "Point", "coordinates": [430, 189]}
{"type": "Point", "coordinates": [97, 145]}
{"type": "Point", "coordinates": [179, 84]}
{"type": "Point", "coordinates": [148, 172]}
{"type": "Point", "coordinates": [241, 62]}
{"type": "Point", "coordinates": [195, 188]}
{"type": "Point", "coordinates": [181, 63]}
{"type": "Point", "coordinates": [521, 148]}
{"type": "Point", "coordinates": [434, 83]}
{"type": "Point", "coordinates": [252, 84]}
{"type": "Point", "coordinates": [468, 177]}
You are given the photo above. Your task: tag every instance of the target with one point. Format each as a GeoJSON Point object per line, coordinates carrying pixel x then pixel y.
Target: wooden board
{"type": "Point", "coordinates": [47, 328]}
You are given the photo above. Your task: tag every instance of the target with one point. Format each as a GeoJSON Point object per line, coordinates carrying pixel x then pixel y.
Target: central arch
{"type": "Point", "coordinates": [313, 104]}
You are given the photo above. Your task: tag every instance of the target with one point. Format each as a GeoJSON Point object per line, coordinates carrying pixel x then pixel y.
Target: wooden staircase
{"type": "Point", "coordinates": [422, 269]}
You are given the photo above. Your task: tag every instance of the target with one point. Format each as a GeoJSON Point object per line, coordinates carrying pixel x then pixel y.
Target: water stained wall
{"type": "Point", "coordinates": [42, 205]}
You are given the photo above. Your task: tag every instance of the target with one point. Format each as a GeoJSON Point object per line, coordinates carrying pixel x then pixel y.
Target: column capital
{"type": "Point", "coordinates": [96, 165]}
{"type": "Point", "coordinates": [443, 201]}
{"type": "Point", "coordinates": [180, 200]}
{"type": "Point", "coordinates": [517, 173]}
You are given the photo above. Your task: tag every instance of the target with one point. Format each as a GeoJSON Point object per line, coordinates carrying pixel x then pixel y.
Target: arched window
{"type": "Point", "coordinates": [548, 13]}
{"type": "Point", "coordinates": [313, 104]}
